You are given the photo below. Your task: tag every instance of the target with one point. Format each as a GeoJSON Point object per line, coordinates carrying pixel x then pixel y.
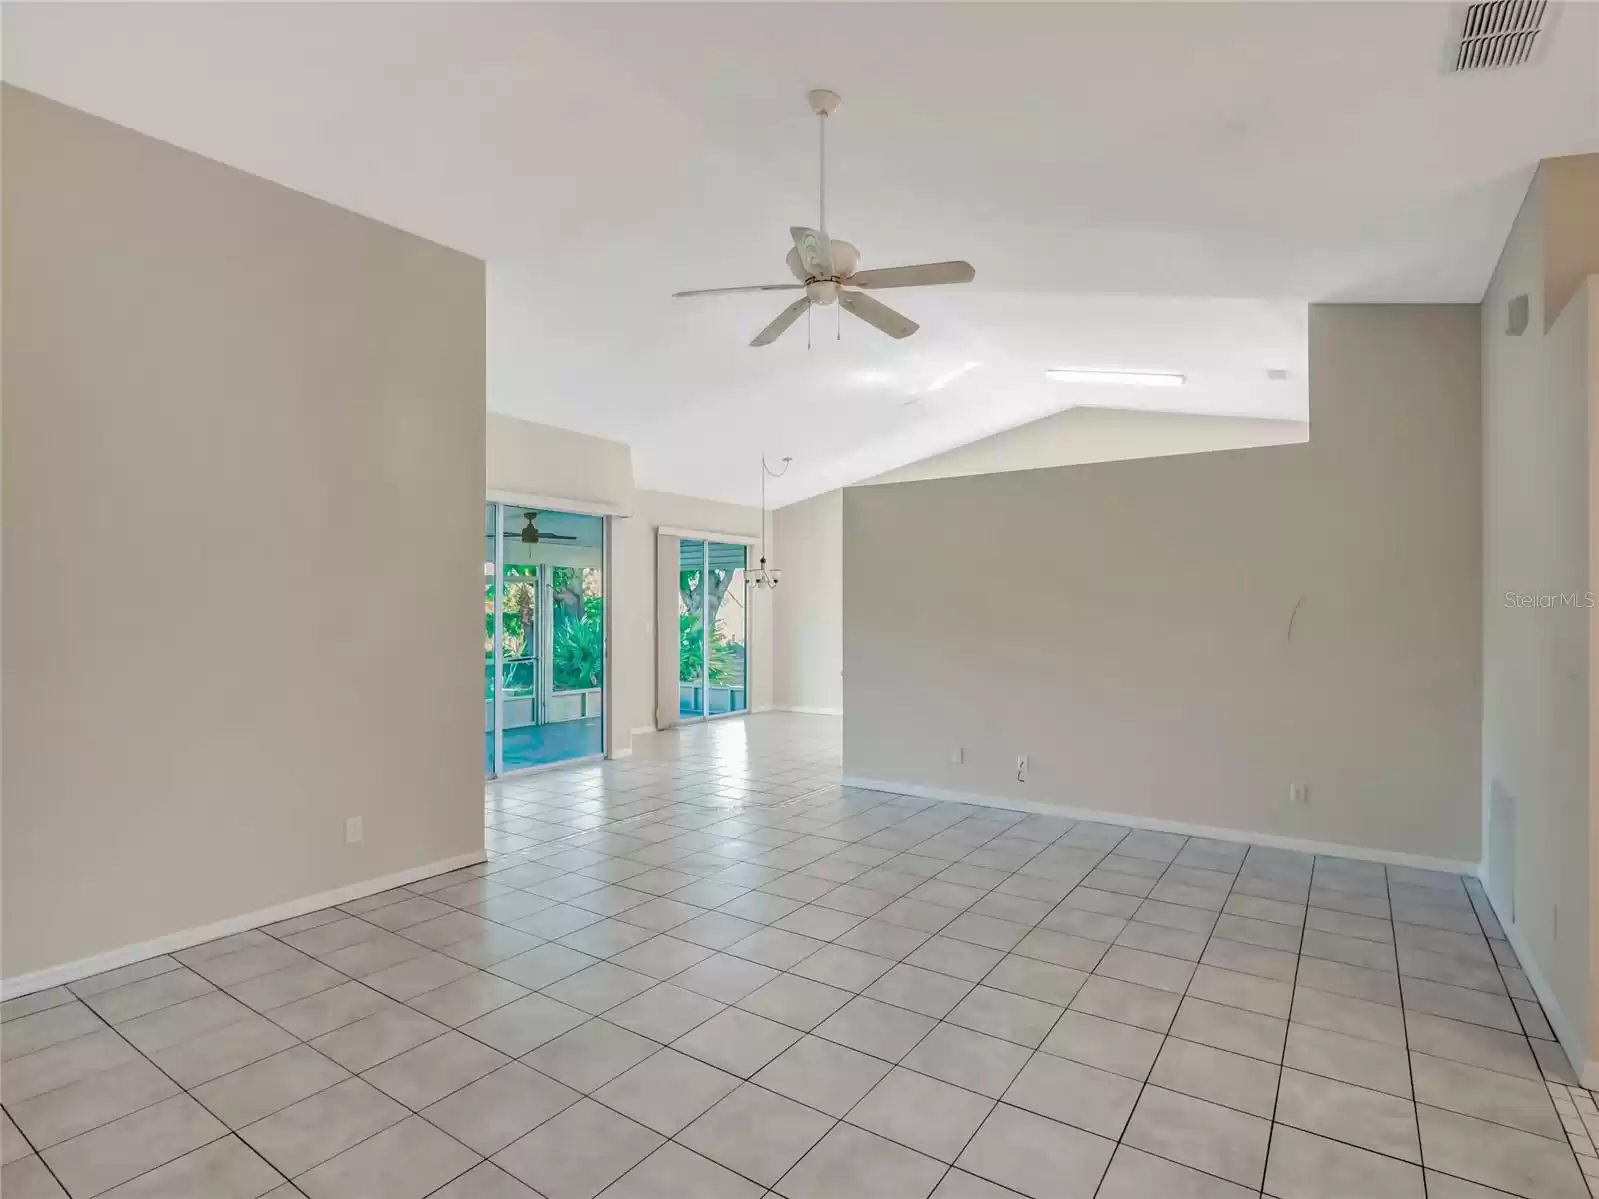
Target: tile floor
{"type": "Point", "coordinates": [708, 972]}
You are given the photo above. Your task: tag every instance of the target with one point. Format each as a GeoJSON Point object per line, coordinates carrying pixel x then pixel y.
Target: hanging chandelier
{"type": "Point", "coordinates": [768, 576]}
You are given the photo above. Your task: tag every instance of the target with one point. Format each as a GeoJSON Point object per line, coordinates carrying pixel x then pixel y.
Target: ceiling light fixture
{"type": "Point", "coordinates": [1125, 378]}
{"type": "Point", "coordinates": [768, 576]}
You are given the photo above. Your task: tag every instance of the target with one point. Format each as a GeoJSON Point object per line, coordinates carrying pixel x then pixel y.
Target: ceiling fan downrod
{"type": "Point", "coordinates": [824, 104]}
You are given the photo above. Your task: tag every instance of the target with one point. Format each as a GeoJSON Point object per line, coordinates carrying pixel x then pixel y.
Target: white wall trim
{"type": "Point", "coordinates": [1388, 856]}
{"type": "Point", "coordinates": [645, 728]}
{"type": "Point", "coordinates": [1587, 1071]}
{"type": "Point", "coordinates": [555, 503]}
{"type": "Point", "coordinates": [807, 710]}
{"type": "Point", "coordinates": [55, 976]}
{"type": "Point", "coordinates": [618, 754]}
{"type": "Point", "coordinates": [707, 535]}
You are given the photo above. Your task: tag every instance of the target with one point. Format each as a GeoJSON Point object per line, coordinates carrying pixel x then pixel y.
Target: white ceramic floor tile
{"type": "Point", "coordinates": [1009, 991]}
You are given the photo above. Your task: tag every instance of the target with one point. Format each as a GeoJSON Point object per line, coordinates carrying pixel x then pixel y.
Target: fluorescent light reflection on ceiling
{"type": "Point", "coordinates": [1124, 378]}
{"type": "Point", "coordinates": [950, 376]}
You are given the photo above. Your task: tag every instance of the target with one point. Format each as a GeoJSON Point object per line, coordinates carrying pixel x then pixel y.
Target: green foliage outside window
{"type": "Point", "coordinates": [577, 635]}
{"type": "Point", "coordinates": [727, 655]}
{"type": "Point", "coordinates": [579, 646]}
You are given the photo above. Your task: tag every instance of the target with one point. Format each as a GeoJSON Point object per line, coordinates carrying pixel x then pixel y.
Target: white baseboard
{"type": "Point", "coordinates": [1131, 820]}
{"type": "Point", "coordinates": [618, 754]}
{"type": "Point", "coordinates": [55, 976]}
{"type": "Point", "coordinates": [645, 728]}
{"type": "Point", "coordinates": [807, 710]}
{"type": "Point", "coordinates": [1587, 1071]}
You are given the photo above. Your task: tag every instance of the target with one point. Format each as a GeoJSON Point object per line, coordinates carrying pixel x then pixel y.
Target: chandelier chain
{"type": "Point", "coordinates": [768, 576]}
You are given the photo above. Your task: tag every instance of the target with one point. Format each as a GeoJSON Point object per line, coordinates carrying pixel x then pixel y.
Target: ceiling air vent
{"type": "Point", "coordinates": [1499, 33]}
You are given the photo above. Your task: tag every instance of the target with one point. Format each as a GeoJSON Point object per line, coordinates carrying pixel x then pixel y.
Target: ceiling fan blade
{"type": "Point", "coordinates": [815, 251]}
{"type": "Point", "coordinates": [914, 276]}
{"type": "Point", "coordinates": [784, 319]}
{"type": "Point", "coordinates": [877, 314]}
{"type": "Point", "coordinates": [722, 291]}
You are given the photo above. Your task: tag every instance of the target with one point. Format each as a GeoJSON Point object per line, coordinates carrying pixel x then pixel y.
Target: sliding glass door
{"type": "Point", "coordinates": [713, 629]}
{"type": "Point", "coordinates": [544, 637]}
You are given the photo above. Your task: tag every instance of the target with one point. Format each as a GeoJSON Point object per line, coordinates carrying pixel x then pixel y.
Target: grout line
{"type": "Point", "coordinates": [1165, 1036]}
{"type": "Point", "coordinates": [1404, 1023]}
{"type": "Point", "coordinates": [1288, 1025]}
{"type": "Point", "coordinates": [46, 1166]}
{"type": "Point", "coordinates": [1542, 1077]}
{"type": "Point", "coordinates": [182, 1090]}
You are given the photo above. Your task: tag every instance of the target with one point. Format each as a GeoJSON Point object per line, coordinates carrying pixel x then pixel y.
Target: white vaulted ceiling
{"type": "Point", "coordinates": [1157, 186]}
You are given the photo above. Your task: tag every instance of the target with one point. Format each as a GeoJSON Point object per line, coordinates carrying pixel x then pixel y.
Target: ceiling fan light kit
{"type": "Point", "coordinates": [827, 269]}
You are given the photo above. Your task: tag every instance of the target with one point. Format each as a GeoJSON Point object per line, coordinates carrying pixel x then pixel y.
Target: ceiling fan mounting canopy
{"type": "Point", "coordinates": [828, 271]}
{"type": "Point", "coordinates": [823, 103]}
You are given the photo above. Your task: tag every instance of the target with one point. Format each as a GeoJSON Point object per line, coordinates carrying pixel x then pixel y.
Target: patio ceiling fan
{"type": "Point", "coordinates": [530, 535]}
{"type": "Point", "coordinates": [826, 267]}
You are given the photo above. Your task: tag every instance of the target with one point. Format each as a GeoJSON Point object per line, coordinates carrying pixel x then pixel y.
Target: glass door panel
{"type": "Point", "coordinates": [577, 651]}
{"type": "Point", "coordinates": [729, 629]}
{"type": "Point", "coordinates": [691, 630]}
{"type": "Point", "coordinates": [519, 638]}
{"type": "Point", "coordinates": [491, 644]}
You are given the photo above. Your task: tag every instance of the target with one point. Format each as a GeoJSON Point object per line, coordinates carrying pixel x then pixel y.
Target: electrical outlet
{"type": "Point", "coordinates": [353, 830]}
{"type": "Point", "coordinates": [1021, 768]}
{"type": "Point", "coordinates": [1299, 793]}
{"type": "Point", "coordinates": [957, 755]}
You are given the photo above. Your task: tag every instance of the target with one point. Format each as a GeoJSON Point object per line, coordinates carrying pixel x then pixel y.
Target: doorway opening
{"type": "Point", "coordinates": [544, 637]}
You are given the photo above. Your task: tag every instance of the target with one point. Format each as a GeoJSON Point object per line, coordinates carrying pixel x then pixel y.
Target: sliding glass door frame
{"type": "Point", "coordinates": [705, 542]}
{"type": "Point", "coordinates": [706, 625]}
{"type": "Point", "coordinates": [497, 691]}
{"type": "Point", "coordinates": [545, 631]}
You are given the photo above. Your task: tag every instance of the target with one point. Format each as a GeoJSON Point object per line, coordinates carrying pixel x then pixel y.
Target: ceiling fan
{"type": "Point", "coordinates": [826, 267]}
{"type": "Point", "coordinates": [530, 535]}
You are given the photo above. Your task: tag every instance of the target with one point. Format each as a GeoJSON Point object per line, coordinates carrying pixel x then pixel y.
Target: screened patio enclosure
{"type": "Point", "coordinates": [544, 637]}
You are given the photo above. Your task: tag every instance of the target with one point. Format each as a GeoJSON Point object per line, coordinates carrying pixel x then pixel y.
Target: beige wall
{"type": "Point", "coordinates": [808, 611]}
{"type": "Point", "coordinates": [1535, 676]}
{"type": "Point", "coordinates": [1100, 435]}
{"type": "Point", "coordinates": [214, 389]}
{"type": "Point", "coordinates": [540, 462]}
{"type": "Point", "coordinates": [1183, 638]}
{"type": "Point", "coordinates": [1569, 188]}
{"type": "Point", "coordinates": [1539, 539]}
{"type": "Point", "coordinates": [633, 618]}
